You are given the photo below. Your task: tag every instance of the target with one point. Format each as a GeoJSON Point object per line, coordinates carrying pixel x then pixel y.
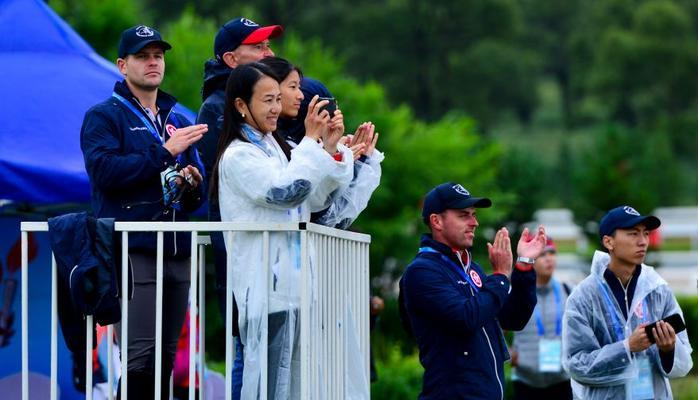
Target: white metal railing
{"type": "Point", "coordinates": [340, 266]}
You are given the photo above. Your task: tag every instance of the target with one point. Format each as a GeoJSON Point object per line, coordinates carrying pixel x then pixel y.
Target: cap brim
{"type": "Point", "coordinates": [650, 222]}
{"type": "Point", "coordinates": [142, 45]}
{"type": "Point", "coordinates": [264, 33]}
{"type": "Point", "coordinates": [476, 202]}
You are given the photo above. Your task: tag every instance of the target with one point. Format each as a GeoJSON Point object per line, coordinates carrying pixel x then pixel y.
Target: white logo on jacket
{"type": "Point", "coordinates": [138, 128]}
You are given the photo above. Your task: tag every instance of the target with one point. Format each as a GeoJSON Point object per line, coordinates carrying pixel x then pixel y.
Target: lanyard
{"type": "Point", "coordinates": [617, 326]}
{"type": "Point", "coordinates": [461, 270]}
{"type": "Point", "coordinates": [149, 124]}
{"type": "Point", "coordinates": [558, 313]}
{"type": "Point", "coordinates": [254, 139]}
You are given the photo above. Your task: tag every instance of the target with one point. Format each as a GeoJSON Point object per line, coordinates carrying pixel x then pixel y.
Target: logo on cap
{"type": "Point", "coordinates": [461, 190]}
{"type": "Point", "coordinates": [144, 31]}
{"type": "Point", "coordinates": [631, 211]}
{"type": "Point", "coordinates": [248, 22]}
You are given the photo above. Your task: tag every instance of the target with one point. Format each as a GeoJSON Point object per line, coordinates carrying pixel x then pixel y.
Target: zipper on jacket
{"type": "Point", "coordinates": [494, 359]}
{"type": "Point", "coordinates": [70, 278]}
{"type": "Point", "coordinates": [489, 343]}
{"type": "Point", "coordinates": [625, 291]}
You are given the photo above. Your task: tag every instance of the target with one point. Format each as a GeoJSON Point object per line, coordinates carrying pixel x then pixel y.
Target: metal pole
{"type": "Point", "coordinates": [110, 361]}
{"type": "Point", "coordinates": [54, 328]}
{"type": "Point", "coordinates": [193, 310]}
{"type": "Point", "coordinates": [264, 357]}
{"type": "Point", "coordinates": [124, 315]}
{"type": "Point", "coordinates": [202, 319]}
{"type": "Point", "coordinates": [305, 316]}
{"type": "Point", "coordinates": [158, 315]}
{"type": "Point", "coordinates": [25, 316]}
{"type": "Point", "coordinates": [228, 322]}
{"type": "Point", "coordinates": [89, 326]}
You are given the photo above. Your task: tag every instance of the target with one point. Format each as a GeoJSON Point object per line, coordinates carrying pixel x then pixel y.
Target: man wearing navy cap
{"type": "Point", "coordinates": [455, 311]}
{"type": "Point", "coordinates": [142, 166]}
{"type": "Point", "coordinates": [606, 349]}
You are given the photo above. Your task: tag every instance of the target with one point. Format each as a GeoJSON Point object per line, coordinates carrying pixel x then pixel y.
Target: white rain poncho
{"type": "Point", "coordinates": [599, 363]}
{"type": "Point", "coordinates": [258, 184]}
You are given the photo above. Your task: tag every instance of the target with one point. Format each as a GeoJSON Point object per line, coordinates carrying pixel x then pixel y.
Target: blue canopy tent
{"type": "Point", "coordinates": [50, 78]}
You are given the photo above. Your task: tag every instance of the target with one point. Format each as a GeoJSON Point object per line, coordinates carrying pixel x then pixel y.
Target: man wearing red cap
{"type": "Point", "coordinates": [536, 351]}
{"type": "Point", "coordinates": [240, 41]}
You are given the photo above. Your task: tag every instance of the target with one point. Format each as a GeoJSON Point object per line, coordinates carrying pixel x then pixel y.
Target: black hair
{"type": "Point", "coordinates": [281, 67]}
{"type": "Point", "coordinates": [241, 83]}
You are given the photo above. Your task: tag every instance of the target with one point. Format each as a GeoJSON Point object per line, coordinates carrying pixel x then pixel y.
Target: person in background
{"type": "Point", "coordinates": [239, 41]}
{"type": "Point", "coordinates": [142, 165]}
{"type": "Point", "coordinates": [537, 349]}
{"type": "Point", "coordinates": [455, 311]}
{"type": "Point", "coordinates": [605, 348]}
{"type": "Point", "coordinates": [257, 178]}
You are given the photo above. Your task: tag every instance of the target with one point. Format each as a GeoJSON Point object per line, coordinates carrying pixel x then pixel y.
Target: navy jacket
{"type": "Point", "coordinates": [88, 280]}
{"type": "Point", "coordinates": [211, 111]}
{"type": "Point", "coordinates": [458, 330]}
{"type": "Point", "coordinates": [124, 161]}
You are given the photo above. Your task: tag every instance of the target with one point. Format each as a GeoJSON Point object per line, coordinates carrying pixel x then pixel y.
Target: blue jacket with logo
{"type": "Point", "coordinates": [458, 329]}
{"type": "Point", "coordinates": [124, 160]}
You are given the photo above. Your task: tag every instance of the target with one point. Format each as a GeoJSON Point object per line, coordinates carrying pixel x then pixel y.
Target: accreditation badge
{"type": "Point", "coordinates": [642, 386]}
{"type": "Point", "coordinates": [549, 355]}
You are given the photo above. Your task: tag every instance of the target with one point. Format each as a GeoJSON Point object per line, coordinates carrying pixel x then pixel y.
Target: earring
{"type": "Point", "coordinates": [242, 115]}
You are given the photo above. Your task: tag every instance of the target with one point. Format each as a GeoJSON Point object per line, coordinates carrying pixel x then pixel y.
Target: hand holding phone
{"type": "Point", "coordinates": [331, 107]}
{"type": "Point", "coordinates": [674, 320]}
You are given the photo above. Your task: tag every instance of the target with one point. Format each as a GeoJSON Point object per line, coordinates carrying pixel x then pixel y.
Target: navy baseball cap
{"type": "Point", "coordinates": [136, 38]}
{"type": "Point", "coordinates": [242, 31]}
{"type": "Point", "coordinates": [625, 217]}
{"type": "Point", "coordinates": [449, 196]}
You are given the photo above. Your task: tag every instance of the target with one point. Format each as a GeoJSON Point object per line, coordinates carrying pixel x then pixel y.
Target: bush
{"type": "Point", "coordinates": [399, 377]}
{"type": "Point", "coordinates": [689, 306]}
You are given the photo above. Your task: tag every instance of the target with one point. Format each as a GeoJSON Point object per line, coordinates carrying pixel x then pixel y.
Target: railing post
{"type": "Point", "coordinates": [124, 315]}
{"type": "Point", "coordinates": [158, 315]}
{"type": "Point", "coordinates": [202, 319]}
{"type": "Point", "coordinates": [89, 327]}
{"type": "Point", "coordinates": [193, 310]}
{"type": "Point", "coordinates": [305, 315]}
{"type": "Point", "coordinates": [264, 359]}
{"type": "Point", "coordinates": [110, 360]}
{"type": "Point", "coordinates": [25, 316]}
{"type": "Point", "coordinates": [54, 328]}
{"type": "Point", "coordinates": [228, 322]}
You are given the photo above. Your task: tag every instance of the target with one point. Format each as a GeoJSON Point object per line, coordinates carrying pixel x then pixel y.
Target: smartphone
{"type": "Point", "coordinates": [674, 320]}
{"type": "Point", "coordinates": [331, 107]}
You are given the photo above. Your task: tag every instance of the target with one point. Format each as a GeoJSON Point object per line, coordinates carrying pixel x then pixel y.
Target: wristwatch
{"type": "Point", "coordinates": [525, 260]}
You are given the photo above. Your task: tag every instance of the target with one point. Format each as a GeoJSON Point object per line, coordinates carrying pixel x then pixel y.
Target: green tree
{"type": "Point", "coordinates": [101, 22]}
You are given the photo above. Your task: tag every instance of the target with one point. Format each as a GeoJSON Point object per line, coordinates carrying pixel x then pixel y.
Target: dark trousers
{"type": "Point", "coordinates": [141, 321]}
{"type": "Point", "coordinates": [559, 391]}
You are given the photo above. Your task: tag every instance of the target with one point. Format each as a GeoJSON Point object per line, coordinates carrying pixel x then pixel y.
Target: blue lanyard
{"type": "Point", "coordinates": [252, 137]}
{"type": "Point", "coordinates": [146, 121]}
{"type": "Point", "coordinates": [617, 326]}
{"type": "Point", "coordinates": [458, 268]}
{"type": "Point", "coordinates": [558, 313]}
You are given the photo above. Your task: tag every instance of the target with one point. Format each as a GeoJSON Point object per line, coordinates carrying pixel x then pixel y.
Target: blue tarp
{"type": "Point", "coordinates": [49, 78]}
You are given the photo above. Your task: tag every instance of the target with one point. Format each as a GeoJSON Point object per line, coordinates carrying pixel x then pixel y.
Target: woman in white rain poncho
{"type": "Point", "coordinates": [596, 351]}
{"type": "Point", "coordinates": [257, 181]}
